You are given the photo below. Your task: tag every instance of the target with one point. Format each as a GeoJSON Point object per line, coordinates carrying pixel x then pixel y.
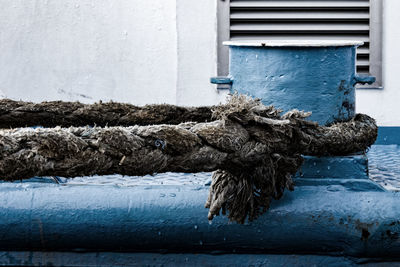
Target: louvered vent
{"type": "Point", "coordinates": [304, 19]}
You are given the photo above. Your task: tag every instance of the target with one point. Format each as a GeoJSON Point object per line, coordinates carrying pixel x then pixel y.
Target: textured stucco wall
{"type": "Point", "coordinates": [88, 50]}
{"type": "Point", "coordinates": [125, 50]}
{"type": "Point", "coordinates": [384, 104]}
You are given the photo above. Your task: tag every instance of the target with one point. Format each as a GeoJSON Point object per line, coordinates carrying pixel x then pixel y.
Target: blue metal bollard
{"type": "Point", "coordinates": [317, 76]}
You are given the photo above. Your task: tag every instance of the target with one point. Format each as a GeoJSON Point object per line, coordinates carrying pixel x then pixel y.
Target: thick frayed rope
{"type": "Point", "coordinates": [247, 193]}
{"type": "Point", "coordinates": [253, 148]}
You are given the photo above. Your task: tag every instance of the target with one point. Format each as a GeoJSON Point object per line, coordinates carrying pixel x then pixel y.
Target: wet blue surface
{"type": "Point", "coordinates": [384, 166]}
{"type": "Point", "coordinates": [169, 178]}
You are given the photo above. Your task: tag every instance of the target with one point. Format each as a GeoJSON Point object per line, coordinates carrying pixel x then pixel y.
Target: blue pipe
{"type": "Point", "coordinates": [335, 219]}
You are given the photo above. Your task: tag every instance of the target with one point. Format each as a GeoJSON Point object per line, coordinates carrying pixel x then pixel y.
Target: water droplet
{"type": "Point", "coordinates": [159, 233]}
{"type": "Point", "coordinates": [201, 242]}
{"type": "Point", "coordinates": [162, 195]}
{"type": "Point", "coordinates": [329, 167]}
{"type": "Point", "coordinates": [224, 238]}
{"type": "Point", "coordinates": [315, 164]}
{"type": "Point", "coordinates": [172, 195]}
{"type": "Point", "coordinates": [196, 227]}
{"type": "Point", "coordinates": [209, 222]}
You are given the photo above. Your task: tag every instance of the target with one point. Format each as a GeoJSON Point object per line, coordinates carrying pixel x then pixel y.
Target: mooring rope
{"type": "Point", "coordinates": [65, 114]}
{"type": "Point", "coordinates": [254, 149]}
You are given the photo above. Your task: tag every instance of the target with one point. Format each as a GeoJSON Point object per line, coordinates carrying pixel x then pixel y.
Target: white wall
{"type": "Point", "coordinates": [136, 51]}
{"type": "Point", "coordinates": [197, 52]}
{"type": "Point", "coordinates": [384, 105]}
{"type": "Point", "coordinates": [140, 52]}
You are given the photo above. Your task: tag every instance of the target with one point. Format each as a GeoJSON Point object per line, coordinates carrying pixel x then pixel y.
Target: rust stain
{"type": "Point", "coordinates": [364, 228]}
{"type": "Point", "coordinates": [365, 234]}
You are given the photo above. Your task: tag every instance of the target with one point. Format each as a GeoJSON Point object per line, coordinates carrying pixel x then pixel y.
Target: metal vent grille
{"type": "Point", "coordinates": [304, 19]}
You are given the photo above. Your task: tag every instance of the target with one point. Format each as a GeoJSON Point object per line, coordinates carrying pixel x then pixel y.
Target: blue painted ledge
{"type": "Point", "coordinates": [388, 136]}
{"type": "Point", "coordinates": [351, 167]}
